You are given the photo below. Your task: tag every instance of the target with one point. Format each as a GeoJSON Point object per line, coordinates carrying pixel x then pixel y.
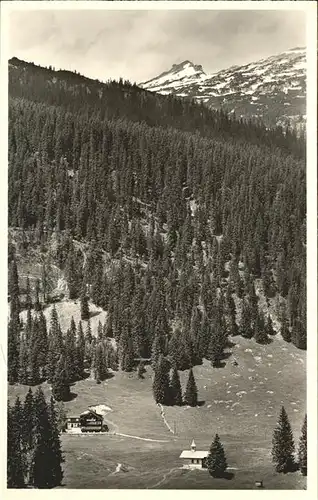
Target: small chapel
{"type": "Point", "coordinates": [194, 458]}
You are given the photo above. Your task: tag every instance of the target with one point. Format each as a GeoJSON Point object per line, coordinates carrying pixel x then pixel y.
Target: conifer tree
{"type": "Point", "coordinates": [42, 342]}
{"type": "Point", "coordinates": [56, 345]}
{"type": "Point", "coordinates": [216, 346]}
{"type": "Point", "coordinates": [100, 363]}
{"type": "Point", "coordinates": [70, 353]}
{"type": "Point", "coordinates": [283, 444]}
{"type": "Point", "coordinates": [88, 333]}
{"type": "Point", "coordinates": [216, 460]}
{"type": "Point", "coordinates": [28, 421]}
{"type": "Point", "coordinates": [60, 415]}
{"type": "Point", "coordinates": [99, 330]}
{"type": "Point", "coordinates": [28, 300]}
{"type": "Point", "coordinates": [55, 448]}
{"type": "Point", "coordinates": [60, 384]}
{"type": "Point", "coordinates": [14, 347]}
{"type": "Point", "coordinates": [84, 307]}
{"type": "Point", "coordinates": [15, 466]}
{"type": "Point", "coordinates": [245, 326]}
{"type": "Point", "coordinates": [13, 289]}
{"type": "Point", "coordinates": [37, 304]}
{"type": "Point", "coordinates": [23, 361]}
{"type": "Point", "coordinates": [45, 472]}
{"type": "Point", "coordinates": [80, 350]}
{"type": "Point", "coordinates": [260, 333]}
{"type": "Point", "coordinates": [284, 329]}
{"type": "Point", "coordinates": [175, 388]}
{"type": "Point", "coordinates": [302, 450]}
{"type": "Point", "coordinates": [161, 389]}
{"type": "Point", "coordinates": [127, 351]}
{"type": "Point", "coordinates": [157, 349]}
{"type": "Point", "coordinates": [190, 397]}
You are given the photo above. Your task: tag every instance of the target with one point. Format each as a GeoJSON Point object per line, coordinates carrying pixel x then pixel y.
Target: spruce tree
{"type": "Point", "coordinates": [175, 388]}
{"type": "Point", "coordinates": [246, 318]}
{"type": "Point", "coordinates": [99, 330]}
{"type": "Point", "coordinates": [260, 334]}
{"type": "Point", "coordinates": [42, 342]}
{"type": "Point", "coordinates": [269, 326]}
{"type": "Point", "coordinates": [37, 304]}
{"type": "Point", "coordinates": [28, 423]}
{"type": "Point", "coordinates": [28, 300]}
{"type": "Point", "coordinates": [80, 350]}
{"type": "Point", "coordinates": [302, 450]}
{"type": "Point", "coordinates": [45, 467]}
{"type": "Point", "coordinates": [34, 355]}
{"type": "Point", "coordinates": [284, 329]}
{"type": "Point", "coordinates": [23, 361]}
{"type": "Point", "coordinates": [216, 460]}
{"type": "Point", "coordinates": [216, 348]}
{"type": "Point", "coordinates": [160, 386]}
{"type": "Point", "coordinates": [157, 349]}
{"type": "Point", "coordinates": [60, 384]}
{"type": "Point", "coordinates": [84, 307]}
{"type": "Point", "coordinates": [14, 347]}
{"type": "Point", "coordinates": [100, 363]}
{"type": "Point", "coordinates": [190, 397]}
{"type": "Point", "coordinates": [15, 462]}
{"type": "Point", "coordinates": [127, 351]}
{"type": "Point", "coordinates": [55, 448]}
{"type": "Point", "coordinates": [283, 444]}
{"type": "Point", "coordinates": [70, 353]}
{"type": "Point", "coordinates": [13, 289]}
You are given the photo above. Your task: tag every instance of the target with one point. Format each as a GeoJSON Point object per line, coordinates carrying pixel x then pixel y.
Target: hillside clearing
{"type": "Point", "coordinates": [240, 403]}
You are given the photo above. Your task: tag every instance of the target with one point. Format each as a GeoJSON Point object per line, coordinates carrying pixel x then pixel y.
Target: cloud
{"type": "Point", "coordinates": [140, 44]}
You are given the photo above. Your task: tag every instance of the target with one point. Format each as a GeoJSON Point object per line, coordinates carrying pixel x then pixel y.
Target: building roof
{"type": "Point", "coordinates": [194, 454]}
{"type": "Point", "coordinates": [92, 412]}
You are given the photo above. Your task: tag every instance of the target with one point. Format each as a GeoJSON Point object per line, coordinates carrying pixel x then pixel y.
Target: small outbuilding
{"type": "Point", "coordinates": [73, 424]}
{"type": "Point", "coordinates": [194, 458]}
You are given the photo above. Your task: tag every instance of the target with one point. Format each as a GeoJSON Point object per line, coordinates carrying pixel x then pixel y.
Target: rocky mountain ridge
{"type": "Point", "coordinates": [271, 89]}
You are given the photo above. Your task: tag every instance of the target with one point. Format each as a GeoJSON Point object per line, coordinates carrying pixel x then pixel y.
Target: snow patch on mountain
{"type": "Point", "coordinates": [273, 89]}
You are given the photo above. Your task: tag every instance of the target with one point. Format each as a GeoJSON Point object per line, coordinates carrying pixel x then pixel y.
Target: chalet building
{"type": "Point", "coordinates": [193, 458]}
{"type": "Point", "coordinates": [91, 421]}
{"type": "Point", "coordinates": [88, 421]}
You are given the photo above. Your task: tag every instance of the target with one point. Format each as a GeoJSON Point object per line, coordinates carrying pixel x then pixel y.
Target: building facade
{"type": "Point", "coordinates": [88, 421]}
{"type": "Point", "coordinates": [193, 458]}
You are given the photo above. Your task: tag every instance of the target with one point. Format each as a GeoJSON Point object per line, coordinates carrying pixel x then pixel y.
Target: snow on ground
{"type": "Point", "coordinates": [101, 409]}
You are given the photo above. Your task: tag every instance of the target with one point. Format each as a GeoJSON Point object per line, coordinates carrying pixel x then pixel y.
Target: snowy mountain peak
{"type": "Point", "coordinates": [184, 73]}
{"type": "Point", "coordinates": [273, 89]}
{"type": "Point", "coordinates": [187, 65]}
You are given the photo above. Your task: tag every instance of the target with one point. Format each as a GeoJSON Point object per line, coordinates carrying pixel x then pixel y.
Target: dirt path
{"type": "Point", "coordinates": [141, 438]}
{"type": "Point", "coordinates": [164, 478]}
{"type": "Point", "coordinates": [162, 413]}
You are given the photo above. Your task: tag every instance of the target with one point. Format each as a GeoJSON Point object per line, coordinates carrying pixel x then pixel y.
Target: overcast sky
{"type": "Point", "coordinates": [139, 45]}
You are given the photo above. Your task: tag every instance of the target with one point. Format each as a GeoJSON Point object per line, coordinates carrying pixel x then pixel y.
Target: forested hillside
{"type": "Point", "coordinates": [181, 211]}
